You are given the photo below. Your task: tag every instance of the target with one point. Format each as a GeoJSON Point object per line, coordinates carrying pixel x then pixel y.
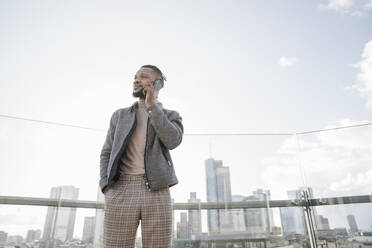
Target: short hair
{"type": "Point", "coordinates": [157, 70]}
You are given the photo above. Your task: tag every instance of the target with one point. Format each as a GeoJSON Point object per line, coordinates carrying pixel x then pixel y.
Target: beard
{"type": "Point", "coordinates": [139, 94]}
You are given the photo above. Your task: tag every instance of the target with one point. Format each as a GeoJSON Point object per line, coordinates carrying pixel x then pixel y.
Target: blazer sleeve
{"type": "Point", "coordinates": [106, 151]}
{"type": "Point", "coordinates": [169, 129]}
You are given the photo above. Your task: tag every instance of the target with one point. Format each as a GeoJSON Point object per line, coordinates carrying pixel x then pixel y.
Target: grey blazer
{"type": "Point", "coordinates": [164, 133]}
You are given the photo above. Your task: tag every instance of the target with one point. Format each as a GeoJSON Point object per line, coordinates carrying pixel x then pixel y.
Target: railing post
{"type": "Point", "coordinates": [308, 218]}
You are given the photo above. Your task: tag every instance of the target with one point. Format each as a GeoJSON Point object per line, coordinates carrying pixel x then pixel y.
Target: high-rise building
{"type": "Point", "coordinates": [88, 230]}
{"type": "Point", "coordinates": [259, 220]}
{"type": "Point", "coordinates": [182, 227]}
{"type": "Point", "coordinates": [238, 214]}
{"type": "Point", "coordinates": [174, 233]}
{"type": "Point", "coordinates": [218, 190]}
{"type": "Point", "coordinates": [98, 231]}
{"type": "Point", "coordinates": [323, 222]}
{"type": "Point", "coordinates": [3, 236]}
{"type": "Point", "coordinates": [60, 221]}
{"type": "Point", "coordinates": [267, 198]}
{"type": "Point", "coordinates": [194, 222]}
{"type": "Point", "coordinates": [33, 235]}
{"type": "Point", "coordinates": [178, 230]}
{"type": "Point", "coordinates": [293, 218]}
{"type": "Point", "coordinates": [352, 223]}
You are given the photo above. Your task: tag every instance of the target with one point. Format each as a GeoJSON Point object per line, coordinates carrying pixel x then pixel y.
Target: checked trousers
{"type": "Point", "coordinates": [126, 203]}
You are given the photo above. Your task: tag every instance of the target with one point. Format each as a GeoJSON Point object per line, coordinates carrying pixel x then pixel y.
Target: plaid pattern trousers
{"type": "Point", "coordinates": [128, 201]}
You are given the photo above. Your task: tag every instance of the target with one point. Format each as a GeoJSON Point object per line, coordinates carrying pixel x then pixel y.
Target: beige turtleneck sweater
{"type": "Point", "coordinates": [132, 160]}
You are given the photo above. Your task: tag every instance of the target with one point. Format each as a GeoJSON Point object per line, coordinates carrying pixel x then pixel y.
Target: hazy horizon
{"type": "Point", "coordinates": [232, 67]}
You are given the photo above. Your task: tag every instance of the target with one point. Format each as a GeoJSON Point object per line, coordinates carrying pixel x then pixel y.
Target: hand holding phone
{"type": "Point", "coordinates": [157, 84]}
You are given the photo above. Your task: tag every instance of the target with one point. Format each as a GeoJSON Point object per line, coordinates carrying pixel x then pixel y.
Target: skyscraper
{"type": "Point", "coordinates": [182, 227]}
{"type": "Point", "coordinates": [60, 222]}
{"type": "Point", "coordinates": [352, 223]}
{"type": "Point", "coordinates": [3, 236]}
{"type": "Point", "coordinates": [259, 220]}
{"type": "Point", "coordinates": [33, 235]}
{"type": "Point", "coordinates": [88, 231]}
{"type": "Point", "coordinates": [238, 215]}
{"type": "Point", "coordinates": [194, 223]}
{"type": "Point", "coordinates": [174, 233]}
{"type": "Point", "coordinates": [323, 222]}
{"type": "Point", "coordinates": [218, 190]}
{"type": "Point", "coordinates": [98, 232]}
{"type": "Point", "coordinates": [293, 218]}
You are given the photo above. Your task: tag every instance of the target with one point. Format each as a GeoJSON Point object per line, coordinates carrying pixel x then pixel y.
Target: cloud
{"type": "Point", "coordinates": [364, 75]}
{"type": "Point", "coordinates": [340, 4]}
{"type": "Point", "coordinates": [287, 61]}
{"type": "Point", "coordinates": [349, 7]}
{"type": "Point", "coordinates": [333, 163]}
{"type": "Point", "coordinates": [350, 182]}
{"type": "Point", "coordinates": [368, 4]}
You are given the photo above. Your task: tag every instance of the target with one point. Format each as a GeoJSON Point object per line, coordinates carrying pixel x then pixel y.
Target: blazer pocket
{"type": "Point", "coordinates": [169, 162]}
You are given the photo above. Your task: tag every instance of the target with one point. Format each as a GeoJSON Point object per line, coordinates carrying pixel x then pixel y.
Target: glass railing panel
{"type": "Point", "coordinates": [50, 227]}
{"type": "Point", "coordinates": [69, 156]}
{"type": "Point", "coordinates": [21, 225]}
{"type": "Point", "coordinates": [248, 229]}
{"type": "Point", "coordinates": [337, 162]}
{"type": "Point", "coordinates": [210, 168]}
{"type": "Point", "coordinates": [244, 164]}
{"type": "Point", "coordinates": [36, 157]}
{"type": "Point", "coordinates": [345, 225]}
{"type": "Point", "coordinates": [248, 168]}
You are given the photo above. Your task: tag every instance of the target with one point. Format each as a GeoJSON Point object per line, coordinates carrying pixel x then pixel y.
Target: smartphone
{"type": "Point", "coordinates": [157, 84]}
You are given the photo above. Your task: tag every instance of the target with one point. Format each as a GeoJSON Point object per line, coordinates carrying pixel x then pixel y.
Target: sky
{"type": "Point", "coordinates": [232, 67]}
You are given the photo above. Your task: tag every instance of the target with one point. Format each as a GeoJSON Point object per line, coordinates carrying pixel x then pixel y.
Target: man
{"type": "Point", "coordinates": [136, 168]}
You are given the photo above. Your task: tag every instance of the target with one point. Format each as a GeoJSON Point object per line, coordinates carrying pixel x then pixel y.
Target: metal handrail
{"type": "Point", "coordinates": [34, 201]}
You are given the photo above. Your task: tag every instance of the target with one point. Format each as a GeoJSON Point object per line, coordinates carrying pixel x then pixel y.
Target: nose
{"type": "Point", "coordinates": [136, 83]}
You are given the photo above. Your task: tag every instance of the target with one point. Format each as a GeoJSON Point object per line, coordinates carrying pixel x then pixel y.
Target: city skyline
{"type": "Point", "coordinates": [223, 183]}
{"type": "Point", "coordinates": [190, 220]}
{"type": "Point", "coordinates": [242, 68]}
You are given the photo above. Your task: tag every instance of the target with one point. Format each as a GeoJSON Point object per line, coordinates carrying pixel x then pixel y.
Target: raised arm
{"type": "Point", "coordinates": [169, 129]}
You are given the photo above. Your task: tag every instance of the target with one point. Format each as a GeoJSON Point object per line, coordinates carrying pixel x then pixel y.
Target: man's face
{"type": "Point", "coordinates": [143, 77]}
